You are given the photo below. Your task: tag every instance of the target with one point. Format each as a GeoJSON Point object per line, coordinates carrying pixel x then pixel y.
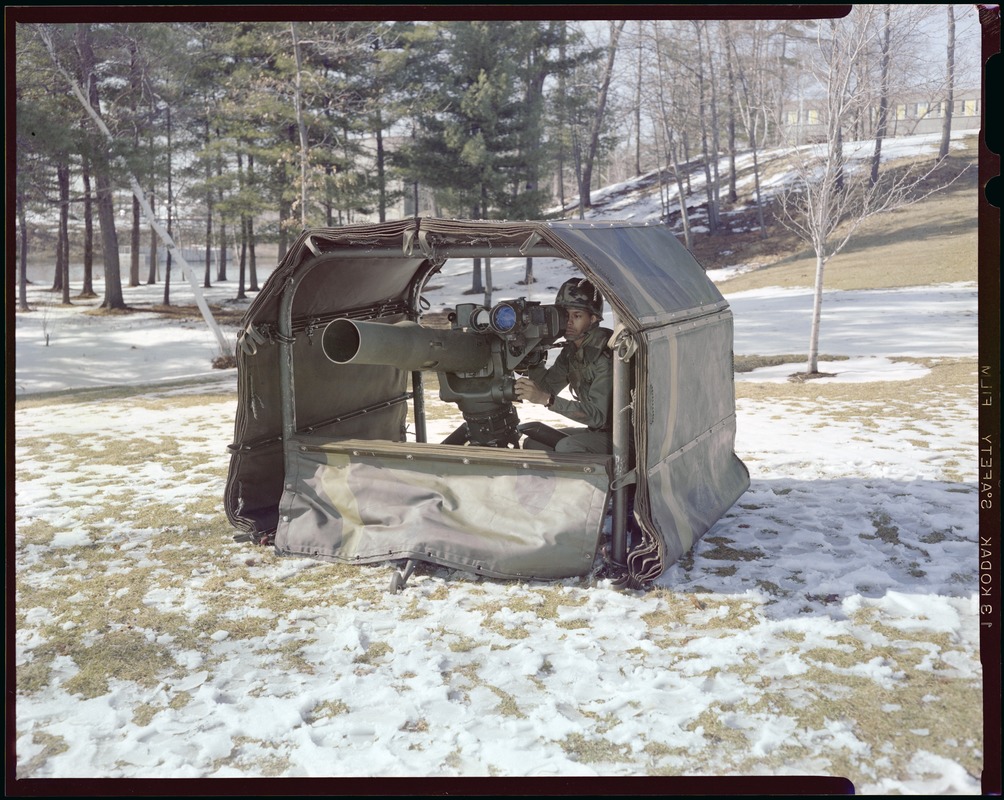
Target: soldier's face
{"type": "Point", "coordinates": [579, 321]}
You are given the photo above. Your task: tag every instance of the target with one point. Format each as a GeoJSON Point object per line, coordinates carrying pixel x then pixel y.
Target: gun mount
{"type": "Point", "coordinates": [475, 359]}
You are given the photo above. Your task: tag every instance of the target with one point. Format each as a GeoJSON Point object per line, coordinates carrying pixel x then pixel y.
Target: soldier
{"type": "Point", "coordinates": [585, 366]}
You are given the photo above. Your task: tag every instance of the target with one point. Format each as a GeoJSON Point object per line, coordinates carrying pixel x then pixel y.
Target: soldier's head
{"type": "Point", "coordinates": [583, 307]}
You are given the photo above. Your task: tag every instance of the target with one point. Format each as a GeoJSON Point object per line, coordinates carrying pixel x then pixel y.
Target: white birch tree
{"type": "Point", "coordinates": [827, 201]}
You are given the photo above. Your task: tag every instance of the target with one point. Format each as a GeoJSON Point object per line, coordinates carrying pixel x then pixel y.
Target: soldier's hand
{"type": "Point", "coordinates": [530, 392]}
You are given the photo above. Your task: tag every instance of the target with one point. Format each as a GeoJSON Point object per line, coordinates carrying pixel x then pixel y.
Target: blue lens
{"type": "Point", "coordinates": [503, 318]}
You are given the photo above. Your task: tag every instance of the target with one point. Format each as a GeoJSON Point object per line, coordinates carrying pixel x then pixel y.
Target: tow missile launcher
{"type": "Point", "coordinates": [475, 360]}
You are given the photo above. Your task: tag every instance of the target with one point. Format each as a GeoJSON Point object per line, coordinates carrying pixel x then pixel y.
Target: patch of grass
{"type": "Point", "coordinates": [919, 399]}
{"type": "Point", "coordinates": [374, 653]}
{"type": "Point", "coordinates": [594, 750]}
{"type": "Point", "coordinates": [121, 655]}
{"type": "Point", "coordinates": [37, 673]}
{"type": "Point", "coordinates": [945, 222]}
{"type": "Point", "coordinates": [573, 624]}
{"type": "Point", "coordinates": [927, 708]}
{"type": "Point", "coordinates": [723, 550]}
{"type": "Point", "coordinates": [508, 707]}
{"type": "Point", "coordinates": [515, 632]}
{"type": "Point", "coordinates": [52, 745]}
{"type": "Point", "coordinates": [413, 611]}
{"type": "Point", "coordinates": [291, 655]}
{"type": "Point", "coordinates": [37, 532]}
{"type": "Point", "coordinates": [142, 715]}
{"type": "Point", "coordinates": [327, 710]}
{"type": "Point", "coordinates": [884, 529]}
{"type": "Point", "coordinates": [748, 363]}
{"type": "Point", "coordinates": [259, 753]}
{"type": "Point", "coordinates": [462, 644]}
{"type": "Point", "coordinates": [668, 610]}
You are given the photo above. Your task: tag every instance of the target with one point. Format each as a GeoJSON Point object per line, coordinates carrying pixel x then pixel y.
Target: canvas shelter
{"type": "Point", "coordinates": [320, 463]}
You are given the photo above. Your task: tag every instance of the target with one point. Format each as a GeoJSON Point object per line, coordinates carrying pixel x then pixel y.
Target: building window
{"type": "Point", "coordinates": [922, 109]}
{"type": "Point", "coordinates": [792, 117]}
{"type": "Point", "coordinates": [969, 108]}
{"type": "Point", "coordinates": [813, 116]}
{"type": "Point", "coordinates": [901, 111]}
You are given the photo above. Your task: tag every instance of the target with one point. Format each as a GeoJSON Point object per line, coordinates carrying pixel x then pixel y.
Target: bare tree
{"type": "Point", "coordinates": [827, 202]}
{"type": "Point", "coordinates": [883, 108]}
{"type": "Point", "coordinates": [113, 298]}
{"type": "Point", "coordinates": [301, 125]}
{"type": "Point", "coordinates": [946, 128]}
{"type": "Point", "coordinates": [751, 103]}
{"type": "Point", "coordinates": [597, 124]}
{"type": "Point", "coordinates": [88, 101]}
{"type": "Point", "coordinates": [670, 117]}
{"type": "Point", "coordinates": [706, 108]}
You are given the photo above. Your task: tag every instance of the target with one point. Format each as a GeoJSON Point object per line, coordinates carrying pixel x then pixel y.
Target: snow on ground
{"type": "Point", "coordinates": [826, 626]}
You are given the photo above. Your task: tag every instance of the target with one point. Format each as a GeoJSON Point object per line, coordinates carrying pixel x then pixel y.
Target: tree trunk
{"type": "Point", "coordinates": [109, 242]}
{"type": "Point", "coordinates": [838, 156]}
{"type": "Point", "coordinates": [64, 231]}
{"type": "Point", "coordinates": [106, 208]}
{"type": "Point", "coordinates": [60, 281]}
{"type": "Point", "coordinates": [221, 270]}
{"type": "Point", "coordinates": [730, 76]}
{"type": "Point", "coordinates": [151, 273]}
{"type": "Point", "coordinates": [756, 187]}
{"type": "Point", "coordinates": [135, 93]}
{"type": "Point", "coordinates": [817, 310]}
{"type": "Point", "coordinates": [715, 130]}
{"type": "Point", "coordinates": [22, 281]}
{"type": "Point", "coordinates": [702, 108]}
{"type": "Point", "coordinates": [300, 126]}
{"type": "Point", "coordinates": [252, 260]}
{"type": "Point", "coordinates": [241, 272]}
{"type": "Point", "coordinates": [135, 242]}
{"type": "Point", "coordinates": [221, 267]}
{"type": "Point", "coordinates": [381, 169]}
{"type": "Point", "coordinates": [637, 107]}
{"type": "Point", "coordinates": [684, 215]}
{"type": "Point", "coordinates": [88, 288]}
{"type": "Point", "coordinates": [252, 257]}
{"type": "Point", "coordinates": [597, 123]}
{"type": "Point", "coordinates": [477, 286]}
{"type": "Point", "coordinates": [883, 109]}
{"type": "Point", "coordinates": [946, 127]}
{"type": "Point", "coordinates": [170, 209]}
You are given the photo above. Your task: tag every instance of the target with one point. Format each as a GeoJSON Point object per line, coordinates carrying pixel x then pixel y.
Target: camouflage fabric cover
{"type": "Point", "coordinates": [360, 501]}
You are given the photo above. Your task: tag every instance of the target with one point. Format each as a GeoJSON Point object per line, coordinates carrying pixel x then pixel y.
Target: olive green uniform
{"type": "Point", "coordinates": [588, 372]}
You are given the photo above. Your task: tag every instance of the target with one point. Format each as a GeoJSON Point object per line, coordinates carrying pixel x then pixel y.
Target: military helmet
{"type": "Point", "coordinates": [580, 293]}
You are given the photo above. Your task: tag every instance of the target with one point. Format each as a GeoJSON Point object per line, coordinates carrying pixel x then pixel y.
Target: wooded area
{"type": "Point", "coordinates": [243, 133]}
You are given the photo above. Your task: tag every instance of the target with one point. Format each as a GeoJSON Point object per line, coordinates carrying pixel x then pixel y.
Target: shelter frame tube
{"type": "Point", "coordinates": [621, 435]}
{"type": "Point", "coordinates": [417, 380]}
{"type": "Point", "coordinates": [287, 392]}
{"type": "Point", "coordinates": [418, 404]}
{"type": "Point", "coordinates": [442, 251]}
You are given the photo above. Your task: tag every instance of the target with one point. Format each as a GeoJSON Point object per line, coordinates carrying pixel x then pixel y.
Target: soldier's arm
{"type": "Point", "coordinates": [552, 379]}
{"type": "Point", "coordinates": [593, 408]}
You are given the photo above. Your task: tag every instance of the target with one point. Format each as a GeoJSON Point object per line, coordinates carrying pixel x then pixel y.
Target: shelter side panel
{"type": "Point", "coordinates": [691, 385]}
{"type": "Point", "coordinates": [692, 490]}
{"type": "Point", "coordinates": [502, 516]}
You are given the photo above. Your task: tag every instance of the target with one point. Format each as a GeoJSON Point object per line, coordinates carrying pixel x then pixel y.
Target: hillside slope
{"type": "Point", "coordinates": [884, 253]}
